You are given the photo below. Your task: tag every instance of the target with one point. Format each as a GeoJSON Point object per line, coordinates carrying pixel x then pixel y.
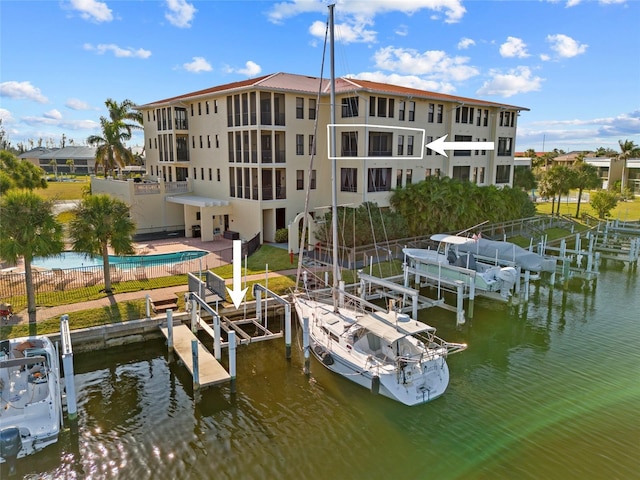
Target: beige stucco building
{"type": "Point", "coordinates": [236, 157]}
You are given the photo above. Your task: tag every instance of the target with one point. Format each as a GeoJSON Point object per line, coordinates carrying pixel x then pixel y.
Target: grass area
{"type": "Point", "coordinates": [276, 258]}
{"type": "Point", "coordinates": [626, 211]}
{"type": "Point", "coordinates": [65, 190]}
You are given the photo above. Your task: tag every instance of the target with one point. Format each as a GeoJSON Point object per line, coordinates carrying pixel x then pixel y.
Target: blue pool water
{"type": "Point", "coordinates": [78, 260]}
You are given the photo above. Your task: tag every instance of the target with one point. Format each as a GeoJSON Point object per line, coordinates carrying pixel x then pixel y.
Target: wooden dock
{"type": "Point", "coordinates": [211, 372]}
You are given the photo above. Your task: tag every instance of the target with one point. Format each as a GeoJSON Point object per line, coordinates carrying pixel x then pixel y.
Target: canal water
{"type": "Point", "coordinates": [547, 390]}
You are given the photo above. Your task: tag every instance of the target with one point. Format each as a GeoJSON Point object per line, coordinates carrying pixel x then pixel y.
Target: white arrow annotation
{"type": "Point", "coordinates": [440, 145]}
{"type": "Point", "coordinates": [236, 293]}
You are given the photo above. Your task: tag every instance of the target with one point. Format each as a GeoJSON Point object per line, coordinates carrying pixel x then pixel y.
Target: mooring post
{"type": "Point", "coordinates": [287, 331]}
{"type": "Point", "coordinates": [232, 360]}
{"type": "Point", "coordinates": [170, 330]}
{"type": "Point", "coordinates": [460, 310]}
{"type": "Point", "coordinates": [472, 294]}
{"type": "Point", "coordinates": [217, 351]}
{"type": "Point", "coordinates": [148, 305]}
{"type": "Point", "coordinates": [196, 371]}
{"type": "Point", "coordinates": [305, 344]}
{"type": "Point", "coordinates": [194, 316]}
{"type": "Point", "coordinates": [67, 363]}
{"type": "Point", "coordinates": [527, 279]}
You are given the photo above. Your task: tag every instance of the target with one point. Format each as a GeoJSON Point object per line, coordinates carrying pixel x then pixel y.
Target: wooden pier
{"type": "Point", "coordinates": [210, 371]}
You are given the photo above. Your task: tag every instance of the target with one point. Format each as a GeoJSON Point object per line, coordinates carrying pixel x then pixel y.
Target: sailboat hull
{"type": "Point", "coordinates": [411, 383]}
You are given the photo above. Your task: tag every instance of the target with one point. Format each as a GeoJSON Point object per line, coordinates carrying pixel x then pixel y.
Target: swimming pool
{"type": "Point", "coordinates": [79, 260]}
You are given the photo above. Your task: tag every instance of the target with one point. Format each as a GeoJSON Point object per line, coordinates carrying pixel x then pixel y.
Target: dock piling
{"type": "Point", "coordinates": [232, 360]}
{"type": "Point", "coordinates": [305, 344]}
{"type": "Point", "coordinates": [196, 371]}
{"type": "Point", "coordinates": [170, 329]}
{"type": "Point", "coordinates": [67, 363]}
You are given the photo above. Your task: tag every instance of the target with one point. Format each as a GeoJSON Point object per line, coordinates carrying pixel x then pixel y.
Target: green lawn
{"type": "Point", "coordinates": [65, 190]}
{"type": "Point", "coordinates": [627, 211]}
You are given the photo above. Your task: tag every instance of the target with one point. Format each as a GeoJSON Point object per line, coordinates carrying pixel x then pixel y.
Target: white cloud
{"type": "Point", "coordinates": [180, 13]}
{"type": "Point", "coordinates": [92, 10]}
{"type": "Point", "coordinates": [410, 81]}
{"type": "Point", "coordinates": [517, 80]}
{"type": "Point", "coordinates": [465, 43]}
{"type": "Point", "coordinates": [544, 57]}
{"type": "Point", "coordinates": [452, 9]}
{"type": "Point", "coordinates": [251, 69]}
{"type": "Point", "coordinates": [51, 119]}
{"type": "Point", "coordinates": [5, 116]}
{"type": "Point", "coordinates": [127, 52]}
{"type": "Point", "coordinates": [514, 47]}
{"type": "Point", "coordinates": [402, 30]}
{"type": "Point", "coordinates": [53, 114]}
{"type": "Point", "coordinates": [622, 124]}
{"type": "Point", "coordinates": [76, 104]}
{"type": "Point", "coordinates": [436, 64]}
{"type": "Point", "coordinates": [22, 91]}
{"type": "Point", "coordinates": [354, 32]}
{"type": "Point", "coordinates": [199, 64]}
{"type": "Point", "coordinates": [565, 46]}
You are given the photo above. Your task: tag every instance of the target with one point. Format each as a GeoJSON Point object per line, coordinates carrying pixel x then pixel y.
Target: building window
{"type": "Point", "coordinates": [312, 109]}
{"type": "Point", "coordinates": [215, 106]}
{"type": "Point", "coordinates": [372, 106]}
{"type": "Point", "coordinates": [401, 110]}
{"type": "Point", "coordinates": [399, 178]}
{"type": "Point", "coordinates": [180, 119]}
{"type": "Point", "coordinates": [427, 172]}
{"type": "Point", "coordinates": [504, 146]}
{"type": "Point", "coordinates": [312, 146]}
{"type": "Point", "coordinates": [486, 118]}
{"type": "Point", "coordinates": [382, 107]}
{"type": "Point", "coordinates": [199, 108]}
{"type": "Point", "coordinates": [462, 153]}
{"type": "Point", "coordinates": [201, 173]}
{"type": "Point", "coordinates": [217, 141]}
{"type": "Point", "coordinates": [299, 144]}
{"type": "Point", "coordinates": [348, 179]}
{"type": "Point", "coordinates": [400, 144]}
{"type": "Point", "coordinates": [409, 176]}
{"type": "Point", "coordinates": [503, 173]}
{"type": "Point", "coordinates": [380, 144]}
{"type": "Point", "coordinates": [195, 173]}
{"type": "Point", "coordinates": [410, 145]}
{"type": "Point", "coordinates": [299, 107]}
{"type": "Point", "coordinates": [193, 141]}
{"type": "Point", "coordinates": [210, 174]}
{"type": "Point", "coordinates": [349, 107]}
{"type": "Point", "coordinates": [430, 115]}
{"type": "Point", "coordinates": [461, 173]}
{"type": "Point", "coordinates": [349, 144]}
{"type": "Point", "coordinates": [412, 111]}
{"type": "Point", "coordinates": [440, 110]}
{"type": "Point", "coordinates": [299, 179]}
{"type": "Point", "coordinates": [218, 174]}
{"type": "Point", "coordinates": [379, 180]}
{"type": "Point", "coordinates": [206, 107]}
{"type": "Point", "coordinates": [312, 182]}
{"type": "Point", "coordinates": [429, 140]}
{"type": "Point", "coordinates": [392, 107]}
{"type": "Point", "coordinates": [200, 141]}
{"type": "Point", "coordinates": [208, 141]}
{"type": "Point", "coordinates": [191, 109]}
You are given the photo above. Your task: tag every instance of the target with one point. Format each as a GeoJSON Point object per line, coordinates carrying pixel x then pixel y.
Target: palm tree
{"type": "Point", "coordinates": [124, 113]}
{"type": "Point", "coordinates": [29, 229]}
{"type": "Point", "coordinates": [628, 149]}
{"type": "Point", "coordinates": [71, 165]}
{"type": "Point", "coordinates": [585, 177]}
{"type": "Point", "coordinates": [101, 221]}
{"type": "Point", "coordinates": [54, 167]}
{"type": "Point", "coordinates": [111, 152]}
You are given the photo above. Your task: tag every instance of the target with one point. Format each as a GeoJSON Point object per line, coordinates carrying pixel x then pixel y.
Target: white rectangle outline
{"type": "Point", "coordinates": [422, 144]}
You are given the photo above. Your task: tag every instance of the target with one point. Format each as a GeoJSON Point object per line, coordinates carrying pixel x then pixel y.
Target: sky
{"type": "Point", "coordinates": [574, 63]}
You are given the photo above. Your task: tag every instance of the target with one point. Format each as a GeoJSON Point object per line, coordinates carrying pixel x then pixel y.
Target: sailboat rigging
{"type": "Point", "coordinates": [383, 350]}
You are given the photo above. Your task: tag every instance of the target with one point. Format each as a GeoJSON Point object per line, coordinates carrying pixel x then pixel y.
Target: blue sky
{"type": "Point", "coordinates": [574, 63]}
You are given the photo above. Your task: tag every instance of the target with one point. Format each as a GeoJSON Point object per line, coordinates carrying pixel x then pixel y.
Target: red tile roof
{"type": "Point", "coordinates": [307, 84]}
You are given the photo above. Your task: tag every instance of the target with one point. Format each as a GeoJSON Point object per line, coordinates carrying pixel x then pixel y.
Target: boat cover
{"type": "Point", "coordinates": [384, 325]}
{"type": "Point", "coordinates": [509, 252]}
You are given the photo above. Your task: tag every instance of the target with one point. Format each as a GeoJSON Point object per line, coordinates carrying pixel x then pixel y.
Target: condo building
{"type": "Point", "coordinates": [238, 159]}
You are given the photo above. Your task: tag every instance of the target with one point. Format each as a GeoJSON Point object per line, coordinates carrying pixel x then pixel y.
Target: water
{"type": "Point", "coordinates": [78, 260]}
{"type": "Point", "coordinates": [547, 391]}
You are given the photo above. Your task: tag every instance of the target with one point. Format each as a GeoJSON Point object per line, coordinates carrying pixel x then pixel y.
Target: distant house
{"type": "Point", "coordinates": [612, 170]}
{"type": "Point", "coordinates": [84, 159]}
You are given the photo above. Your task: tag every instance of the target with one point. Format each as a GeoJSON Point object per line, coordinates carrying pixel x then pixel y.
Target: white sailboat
{"type": "Point", "coordinates": [384, 351]}
{"type": "Point", "coordinates": [30, 403]}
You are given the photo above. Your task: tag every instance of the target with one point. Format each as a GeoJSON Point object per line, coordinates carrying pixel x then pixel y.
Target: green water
{"type": "Point", "coordinates": [547, 390]}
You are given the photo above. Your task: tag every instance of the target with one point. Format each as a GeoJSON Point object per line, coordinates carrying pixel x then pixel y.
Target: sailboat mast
{"type": "Point", "coordinates": [334, 179]}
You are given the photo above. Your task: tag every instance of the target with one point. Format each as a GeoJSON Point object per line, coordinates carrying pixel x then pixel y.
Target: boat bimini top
{"type": "Point", "coordinates": [392, 326]}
